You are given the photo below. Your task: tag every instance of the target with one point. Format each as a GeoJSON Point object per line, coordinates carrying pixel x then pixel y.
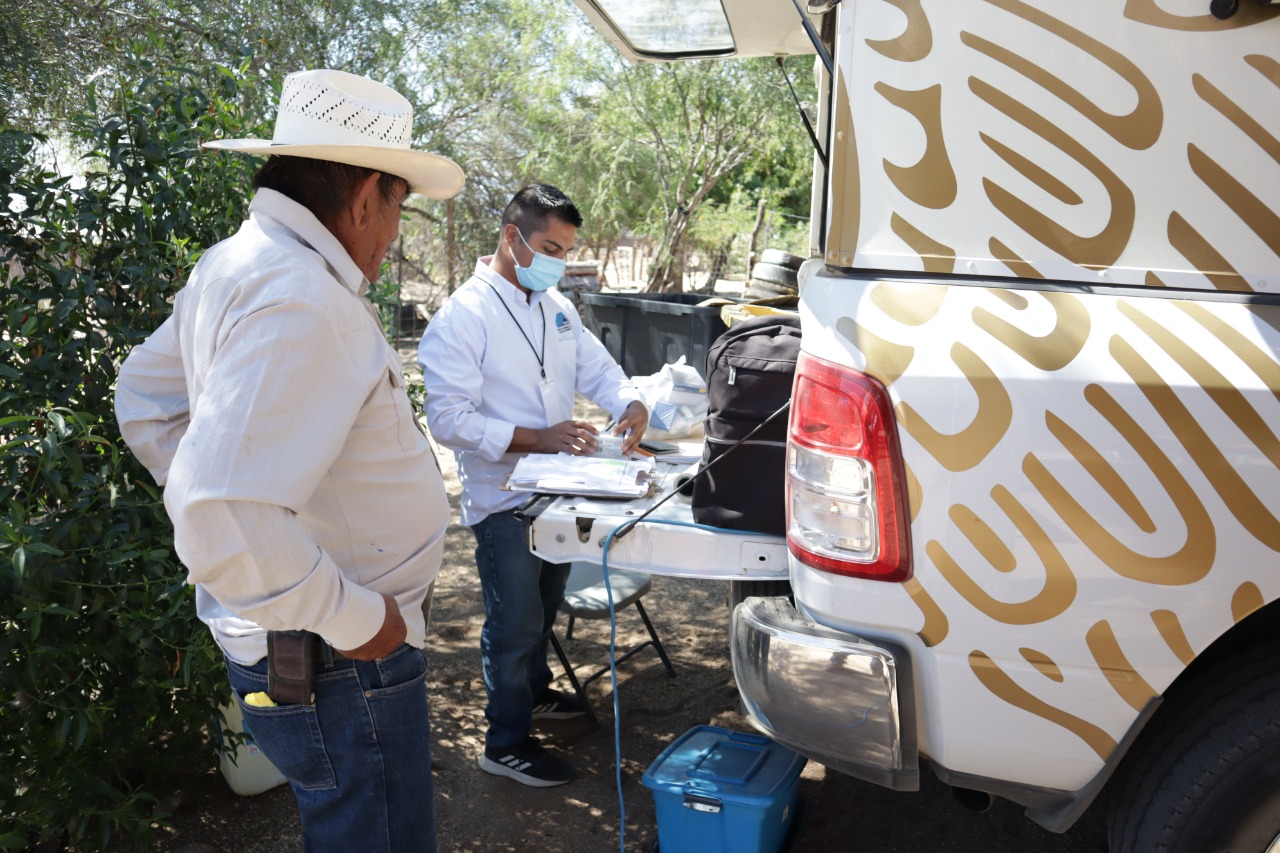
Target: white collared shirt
{"type": "Point", "coordinates": [273, 411]}
{"type": "Point", "coordinates": [480, 364]}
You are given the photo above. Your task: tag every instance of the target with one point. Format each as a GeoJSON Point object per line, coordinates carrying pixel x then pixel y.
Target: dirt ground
{"type": "Point", "coordinates": [478, 813]}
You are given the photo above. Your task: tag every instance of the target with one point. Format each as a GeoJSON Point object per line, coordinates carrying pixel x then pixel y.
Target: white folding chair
{"type": "Point", "coordinates": [585, 598]}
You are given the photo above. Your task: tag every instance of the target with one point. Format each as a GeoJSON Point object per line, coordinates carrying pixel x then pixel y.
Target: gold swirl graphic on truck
{"type": "Point", "coordinates": [1015, 137]}
{"type": "Point", "coordinates": [1070, 450]}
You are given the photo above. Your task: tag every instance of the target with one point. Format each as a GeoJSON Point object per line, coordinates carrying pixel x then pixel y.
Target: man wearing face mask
{"type": "Point", "coordinates": [502, 360]}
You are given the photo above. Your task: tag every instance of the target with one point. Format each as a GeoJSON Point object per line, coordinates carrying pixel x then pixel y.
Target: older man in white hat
{"type": "Point", "coordinates": [306, 503]}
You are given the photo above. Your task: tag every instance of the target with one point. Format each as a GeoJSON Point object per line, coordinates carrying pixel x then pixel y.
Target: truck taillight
{"type": "Point", "coordinates": [846, 504]}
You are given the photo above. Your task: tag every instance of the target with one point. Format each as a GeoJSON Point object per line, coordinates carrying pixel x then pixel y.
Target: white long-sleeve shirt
{"type": "Point", "coordinates": [480, 364]}
{"type": "Point", "coordinates": [273, 411]}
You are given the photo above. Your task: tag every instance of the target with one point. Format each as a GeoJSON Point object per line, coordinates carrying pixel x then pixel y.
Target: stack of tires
{"type": "Point", "coordinates": [774, 275]}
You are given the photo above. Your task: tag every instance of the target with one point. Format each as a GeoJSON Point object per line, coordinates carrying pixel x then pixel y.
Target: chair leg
{"type": "Point", "coordinates": [578, 687]}
{"type": "Point", "coordinates": [617, 661]}
{"type": "Point", "coordinates": [639, 647]}
{"type": "Point", "coordinates": [568, 631]}
{"type": "Point", "coordinates": [657, 644]}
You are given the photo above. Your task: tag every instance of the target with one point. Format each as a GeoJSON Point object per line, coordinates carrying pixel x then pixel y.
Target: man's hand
{"type": "Point", "coordinates": [390, 636]}
{"type": "Point", "coordinates": [635, 420]}
{"type": "Point", "coordinates": [575, 437]}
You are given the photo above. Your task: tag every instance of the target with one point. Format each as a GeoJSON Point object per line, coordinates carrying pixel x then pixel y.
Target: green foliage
{"type": "Point", "coordinates": [49, 47]}
{"type": "Point", "coordinates": [515, 91]}
{"type": "Point", "coordinates": [638, 147]}
{"type": "Point", "coordinates": [106, 676]}
{"type": "Point", "coordinates": [484, 112]}
{"type": "Point", "coordinates": [719, 238]}
{"type": "Point", "coordinates": [646, 145]}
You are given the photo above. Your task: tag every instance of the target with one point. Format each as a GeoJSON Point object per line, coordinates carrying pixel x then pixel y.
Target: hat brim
{"type": "Point", "coordinates": [428, 174]}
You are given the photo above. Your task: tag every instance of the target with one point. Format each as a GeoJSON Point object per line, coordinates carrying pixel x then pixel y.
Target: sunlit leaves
{"type": "Point", "coordinates": [106, 675]}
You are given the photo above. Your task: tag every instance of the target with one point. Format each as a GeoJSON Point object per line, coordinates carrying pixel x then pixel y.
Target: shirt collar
{"type": "Point", "coordinates": [303, 224]}
{"type": "Point", "coordinates": [505, 288]}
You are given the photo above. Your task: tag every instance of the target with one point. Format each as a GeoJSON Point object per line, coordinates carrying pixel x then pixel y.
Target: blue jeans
{"type": "Point", "coordinates": [521, 596]}
{"type": "Point", "coordinates": [359, 760]}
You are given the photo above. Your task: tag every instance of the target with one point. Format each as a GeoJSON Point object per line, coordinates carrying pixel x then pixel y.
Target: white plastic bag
{"type": "Point", "coordinates": [676, 397]}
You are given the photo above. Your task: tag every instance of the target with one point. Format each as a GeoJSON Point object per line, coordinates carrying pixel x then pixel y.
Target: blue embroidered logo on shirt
{"type": "Point", "coordinates": [562, 322]}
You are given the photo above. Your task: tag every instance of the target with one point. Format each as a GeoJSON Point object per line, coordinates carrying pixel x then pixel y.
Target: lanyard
{"type": "Point", "coordinates": [538, 355]}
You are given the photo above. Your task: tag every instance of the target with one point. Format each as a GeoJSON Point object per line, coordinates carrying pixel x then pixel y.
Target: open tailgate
{"type": "Point", "coordinates": [566, 529]}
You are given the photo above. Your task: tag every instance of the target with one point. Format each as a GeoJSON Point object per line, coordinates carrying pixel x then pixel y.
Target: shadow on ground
{"type": "Point", "coordinates": [477, 813]}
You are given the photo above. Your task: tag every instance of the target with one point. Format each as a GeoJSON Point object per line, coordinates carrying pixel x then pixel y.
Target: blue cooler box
{"type": "Point", "coordinates": [718, 790]}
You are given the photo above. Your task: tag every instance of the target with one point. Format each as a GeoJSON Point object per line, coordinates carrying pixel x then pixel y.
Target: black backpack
{"type": "Point", "coordinates": [750, 369]}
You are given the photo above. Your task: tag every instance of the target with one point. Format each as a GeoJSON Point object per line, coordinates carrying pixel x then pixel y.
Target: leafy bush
{"type": "Point", "coordinates": [106, 676]}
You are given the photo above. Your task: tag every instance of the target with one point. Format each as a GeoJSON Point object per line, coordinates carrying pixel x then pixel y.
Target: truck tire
{"type": "Point", "coordinates": [777, 257]}
{"type": "Point", "coordinates": [775, 274]}
{"type": "Point", "coordinates": [1208, 777]}
{"type": "Point", "coordinates": [765, 290]}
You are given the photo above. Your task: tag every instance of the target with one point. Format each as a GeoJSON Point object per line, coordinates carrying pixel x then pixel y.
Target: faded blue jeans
{"type": "Point", "coordinates": [359, 760]}
{"type": "Point", "coordinates": [521, 596]}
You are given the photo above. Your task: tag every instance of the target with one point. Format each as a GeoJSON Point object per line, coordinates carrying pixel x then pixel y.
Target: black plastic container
{"type": "Point", "coordinates": [644, 331]}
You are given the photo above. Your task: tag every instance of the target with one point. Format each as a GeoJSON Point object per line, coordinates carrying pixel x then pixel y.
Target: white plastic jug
{"type": "Point", "coordinates": [251, 772]}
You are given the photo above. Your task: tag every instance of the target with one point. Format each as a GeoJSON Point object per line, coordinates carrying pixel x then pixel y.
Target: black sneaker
{"type": "Point", "coordinates": [554, 705]}
{"type": "Point", "coordinates": [529, 763]}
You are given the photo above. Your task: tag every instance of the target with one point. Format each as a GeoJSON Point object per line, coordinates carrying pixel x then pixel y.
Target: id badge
{"type": "Point", "coordinates": [547, 391]}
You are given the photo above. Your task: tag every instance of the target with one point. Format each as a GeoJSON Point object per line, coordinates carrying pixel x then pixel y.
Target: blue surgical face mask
{"type": "Point", "coordinates": [543, 272]}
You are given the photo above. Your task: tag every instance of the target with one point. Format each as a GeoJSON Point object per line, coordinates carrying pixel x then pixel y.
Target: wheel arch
{"type": "Point", "coordinates": [1258, 628]}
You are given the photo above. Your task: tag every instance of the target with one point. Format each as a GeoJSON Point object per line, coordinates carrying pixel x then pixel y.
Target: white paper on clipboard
{"type": "Point", "coordinates": [592, 476]}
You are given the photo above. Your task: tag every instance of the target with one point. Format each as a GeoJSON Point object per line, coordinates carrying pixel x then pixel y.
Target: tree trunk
{"type": "Point", "coordinates": [667, 273]}
{"type": "Point", "coordinates": [604, 266]}
{"type": "Point", "coordinates": [450, 247]}
{"type": "Point", "coordinates": [755, 238]}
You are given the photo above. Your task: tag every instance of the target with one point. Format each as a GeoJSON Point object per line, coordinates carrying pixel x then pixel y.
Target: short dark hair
{"type": "Point", "coordinates": [529, 209]}
{"type": "Point", "coordinates": [322, 186]}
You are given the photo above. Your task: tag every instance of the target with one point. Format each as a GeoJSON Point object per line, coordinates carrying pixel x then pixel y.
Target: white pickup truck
{"type": "Point", "coordinates": [1034, 456]}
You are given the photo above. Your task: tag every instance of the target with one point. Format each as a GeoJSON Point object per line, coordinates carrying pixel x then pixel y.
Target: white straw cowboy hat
{"type": "Point", "coordinates": [344, 118]}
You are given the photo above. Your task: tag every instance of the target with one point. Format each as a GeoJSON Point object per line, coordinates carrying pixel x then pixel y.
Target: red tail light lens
{"type": "Point", "coordinates": [846, 504]}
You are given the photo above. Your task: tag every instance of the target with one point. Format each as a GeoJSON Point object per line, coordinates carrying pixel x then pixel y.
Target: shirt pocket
{"type": "Point", "coordinates": [565, 351]}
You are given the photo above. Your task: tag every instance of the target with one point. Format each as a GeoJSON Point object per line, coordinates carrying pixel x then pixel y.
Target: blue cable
{"type": "Point", "coordinates": [613, 650]}
{"type": "Point", "coordinates": [618, 532]}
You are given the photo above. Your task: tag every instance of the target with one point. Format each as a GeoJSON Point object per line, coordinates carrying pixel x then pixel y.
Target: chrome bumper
{"type": "Point", "coordinates": [827, 695]}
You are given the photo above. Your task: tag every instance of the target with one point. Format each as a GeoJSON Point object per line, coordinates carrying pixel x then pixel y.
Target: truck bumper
{"type": "Point", "coordinates": [828, 695]}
